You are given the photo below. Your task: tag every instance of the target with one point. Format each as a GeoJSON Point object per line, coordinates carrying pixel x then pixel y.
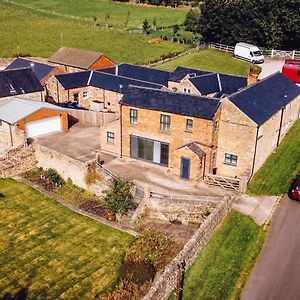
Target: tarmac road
{"type": "Point", "coordinates": [276, 274]}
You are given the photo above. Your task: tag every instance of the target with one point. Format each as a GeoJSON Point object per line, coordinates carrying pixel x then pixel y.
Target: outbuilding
{"type": "Point", "coordinates": [22, 119]}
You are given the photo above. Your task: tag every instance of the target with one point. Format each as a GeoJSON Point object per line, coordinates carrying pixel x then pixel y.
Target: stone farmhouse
{"type": "Point", "coordinates": [74, 60]}
{"type": "Point", "coordinates": [21, 119]}
{"type": "Point", "coordinates": [21, 83]}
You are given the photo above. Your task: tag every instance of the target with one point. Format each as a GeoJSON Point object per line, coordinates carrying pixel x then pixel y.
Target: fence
{"type": "Point", "coordinates": [266, 52]}
{"type": "Point", "coordinates": [164, 284]}
{"type": "Point", "coordinates": [95, 118]}
{"type": "Point", "coordinates": [227, 183]}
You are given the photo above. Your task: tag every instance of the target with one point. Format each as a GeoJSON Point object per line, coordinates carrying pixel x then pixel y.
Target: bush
{"type": "Point", "coordinates": [91, 176]}
{"type": "Point", "coordinates": [2, 196]}
{"type": "Point", "coordinates": [154, 247]}
{"type": "Point", "coordinates": [54, 177]}
{"type": "Point", "coordinates": [118, 197]}
{"type": "Point", "coordinates": [137, 271]}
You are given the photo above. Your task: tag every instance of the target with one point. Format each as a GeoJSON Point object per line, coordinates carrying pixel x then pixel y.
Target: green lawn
{"type": "Point", "coordinates": [278, 172]}
{"type": "Point", "coordinates": [38, 36]}
{"type": "Point", "coordinates": [106, 11]}
{"type": "Point", "coordinates": [51, 251]}
{"type": "Point", "coordinates": [211, 60]}
{"type": "Point", "coordinates": [223, 266]}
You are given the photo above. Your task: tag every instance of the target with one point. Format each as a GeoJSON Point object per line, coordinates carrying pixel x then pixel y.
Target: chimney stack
{"type": "Point", "coordinates": [253, 74]}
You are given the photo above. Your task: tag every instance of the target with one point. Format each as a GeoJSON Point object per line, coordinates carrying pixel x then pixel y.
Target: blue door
{"type": "Point", "coordinates": [185, 168]}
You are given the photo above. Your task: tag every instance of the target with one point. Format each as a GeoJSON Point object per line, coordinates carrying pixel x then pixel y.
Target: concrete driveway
{"type": "Point", "coordinates": [270, 66]}
{"type": "Point", "coordinates": [276, 272]}
{"type": "Point", "coordinates": [79, 142]}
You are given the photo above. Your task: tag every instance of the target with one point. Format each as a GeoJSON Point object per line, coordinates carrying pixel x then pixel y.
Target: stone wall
{"type": "Point", "coordinates": [17, 161]}
{"type": "Point", "coordinates": [11, 136]}
{"type": "Point", "coordinates": [193, 210]}
{"type": "Point", "coordinates": [166, 282]}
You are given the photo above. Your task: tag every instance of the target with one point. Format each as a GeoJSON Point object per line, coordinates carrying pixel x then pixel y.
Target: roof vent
{"type": "Point", "coordinates": [285, 93]}
{"type": "Point", "coordinates": [192, 75]}
{"type": "Point", "coordinates": [32, 65]}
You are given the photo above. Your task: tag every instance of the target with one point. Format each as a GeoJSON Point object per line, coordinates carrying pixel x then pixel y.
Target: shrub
{"type": "Point", "coordinates": [91, 176]}
{"type": "Point", "coordinates": [2, 196]}
{"type": "Point", "coordinates": [154, 247]}
{"type": "Point", "coordinates": [54, 177]}
{"type": "Point", "coordinates": [137, 271]}
{"type": "Point", "coordinates": [118, 197]}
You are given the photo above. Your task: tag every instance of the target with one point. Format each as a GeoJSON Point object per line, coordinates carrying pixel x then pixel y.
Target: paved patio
{"type": "Point", "coordinates": [80, 142]}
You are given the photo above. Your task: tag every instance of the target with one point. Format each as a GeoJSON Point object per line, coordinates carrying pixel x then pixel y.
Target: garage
{"type": "Point", "coordinates": [43, 126]}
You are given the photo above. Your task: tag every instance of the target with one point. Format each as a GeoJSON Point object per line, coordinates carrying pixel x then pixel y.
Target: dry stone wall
{"type": "Point", "coordinates": [166, 282]}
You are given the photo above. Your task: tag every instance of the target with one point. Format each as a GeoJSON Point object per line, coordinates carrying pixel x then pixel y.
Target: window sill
{"type": "Point", "coordinates": [229, 164]}
{"type": "Point", "coordinates": [110, 143]}
{"type": "Point", "coordinates": [165, 131]}
{"type": "Point", "coordinates": [189, 131]}
{"type": "Point", "coordinates": [133, 124]}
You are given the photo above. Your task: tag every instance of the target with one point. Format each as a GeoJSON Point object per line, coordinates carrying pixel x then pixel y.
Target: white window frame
{"type": "Point", "coordinates": [110, 137]}
{"type": "Point", "coordinates": [230, 159]}
{"type": "Point", "coordinates": [189, 127]}
{"type": "Point", "coordinates": [165, 122]}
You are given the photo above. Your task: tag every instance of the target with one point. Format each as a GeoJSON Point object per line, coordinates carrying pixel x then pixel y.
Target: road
{"type": "Point", "coordinates": [276, 274]}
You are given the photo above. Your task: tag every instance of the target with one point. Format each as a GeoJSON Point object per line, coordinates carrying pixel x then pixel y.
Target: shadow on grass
{"type": "Point", "coordinates": [21, 295]}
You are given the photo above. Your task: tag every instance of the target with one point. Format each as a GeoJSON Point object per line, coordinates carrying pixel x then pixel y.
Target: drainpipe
{"type": "Point", "coordinates": [280, 126]}
{"type": "Point", "coordinates": [254, 156]}
{"type": "Point", "coordinates": [204, 166]}
{"type": "Point", "coordinates": [121, 134]}
{"type": "Point", "coordinates": [11, 137]}
{"type": "Point", "coordinates": [57, 90]}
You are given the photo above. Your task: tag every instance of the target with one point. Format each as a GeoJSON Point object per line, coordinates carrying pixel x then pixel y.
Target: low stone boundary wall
{"type": "Point", "coordinates": [17, 161]}
{"type": "Point", "coordinates": [166, 282]}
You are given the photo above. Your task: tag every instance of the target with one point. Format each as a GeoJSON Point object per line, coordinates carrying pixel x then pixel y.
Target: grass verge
{"type": "Point", "coordinates": [223, 266]}
{"type": "Point", "coordinates": [51, 252]}
{"type": "Point", "coordinates": [279, 170]}
{"type": "Point", "coordinates": [211, 60]}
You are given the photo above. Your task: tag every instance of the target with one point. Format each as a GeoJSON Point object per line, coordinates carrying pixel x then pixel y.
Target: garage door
{"type": "Point", "coordinates": [42, 126]}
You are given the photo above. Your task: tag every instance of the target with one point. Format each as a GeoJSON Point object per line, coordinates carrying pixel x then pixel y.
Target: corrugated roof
{"type": "Point", "coordinates": [75, 57]}
{"type": "Point", "coordinates": [141, 73]}
{"type": "Point", "coordinates": [182, 104]}
{"type": "Point", "coordinates": [101, 80]}
{"type": "Point", "coordinates": [180, 72]}
{"type": "Point", "coordinates": [40, 70]}
{"type": "Point", "coordinates": [265, 98]}
{"type": "Point", "coordinates": [17, 109]}
{"type": "Point", "coordinates": [17, 82]}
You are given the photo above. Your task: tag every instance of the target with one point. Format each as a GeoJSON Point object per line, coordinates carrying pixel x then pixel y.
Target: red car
{"type": "Point", "coordinates": [291, 69]}
{"type": "Point", "coordinates": [294, 191]}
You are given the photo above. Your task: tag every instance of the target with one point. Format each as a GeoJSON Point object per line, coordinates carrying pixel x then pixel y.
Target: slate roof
{"type": "Point", "coordinates": [101, 80]}
{"type": "Point", "coordinates": [19, 81]}
{"type": "Point", "coordinates": [17, 109]}
{"type": "Point", "coordinates": [218, 83]}
{"type": "Point", "coordinates": [180, 72]}
{"type": "Point", "coordinates": [75, 57]}
{"type": "Point", "coordinates": [40, 70]}
{"type": "Point", "coordinates": [194, 147]}
{"type": "Point", "coordinates": [141, 73]}
{"type": "Point", "coordinates": [170, 102]}
{"type": "Point", "coordinates": [265, 98]}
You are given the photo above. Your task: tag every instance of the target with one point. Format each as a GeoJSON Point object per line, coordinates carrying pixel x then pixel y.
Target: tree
{"type": "Point", "coordinates": [146, 26]}
{"type": "Point", "coordinates": [192, 19]}
{"type": "Point", "coordinates": [266, 23]}
{"type": "Point", "coordinates": [118, 197]}
{"type": "Point", "coordinates": [176, 28]}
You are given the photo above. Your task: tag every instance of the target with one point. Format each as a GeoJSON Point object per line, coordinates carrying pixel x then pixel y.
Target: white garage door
{"type": "Point", "coordinates": [42, 126]}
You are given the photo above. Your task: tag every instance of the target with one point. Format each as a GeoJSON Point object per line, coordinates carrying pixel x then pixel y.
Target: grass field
{"type": "Point", "coordinates": [118, 15]}
{"type": "Point", "coordinates": [278, 172]}
{"type": "Point", "coordinates": [223, 266]}
{"type": "Point", "coordinates": [211, 60]}
{"type": "Point", "coordinates": [42, 37]}
{"type": "Point", "coordinates": [52, 253]}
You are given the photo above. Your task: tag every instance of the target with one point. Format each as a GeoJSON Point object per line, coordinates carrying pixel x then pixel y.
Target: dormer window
{"type": "Point", "coordinates": [11, 89]}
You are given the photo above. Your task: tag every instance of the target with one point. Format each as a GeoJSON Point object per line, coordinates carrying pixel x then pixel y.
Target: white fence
{"type": "Point", "coordinates": [267, 52]}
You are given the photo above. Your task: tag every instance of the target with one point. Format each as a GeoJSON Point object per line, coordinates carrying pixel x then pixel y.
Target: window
{"type": "Point", "coordinates": [85, 95]}
{"type": "Point", "coordinates": [110, 137]}
{"type": "Point", "coordinates": [165, 122]}
{"type": "Point", "coordinates": [76, 97]}
{"type": "Point", "coordinates": [230, 159]}
{"type": "Point", "coordinates": [174, 89]}
{"type": "Point", "coordinates": [133, 116]}
{"type": "Point", "coordinates": [149, 150]}
{"type": "Point", "coordinates": [189, 125]}
{"type": "Point", "coordinates": [186, 90]}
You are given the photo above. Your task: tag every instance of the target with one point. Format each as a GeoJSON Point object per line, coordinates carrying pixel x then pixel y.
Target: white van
{"type": "Point", "coordinates": [248, 52]}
